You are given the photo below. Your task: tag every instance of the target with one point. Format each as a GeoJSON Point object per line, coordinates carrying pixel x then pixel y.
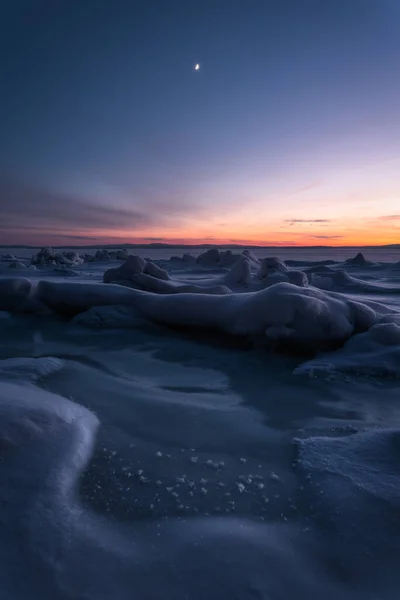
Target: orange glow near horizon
{"type": "Point", "coordinates": [370, 233]}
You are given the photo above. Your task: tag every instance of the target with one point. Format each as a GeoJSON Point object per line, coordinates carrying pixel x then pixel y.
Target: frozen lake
{"type": "Point", "coordinates": [210, 428]}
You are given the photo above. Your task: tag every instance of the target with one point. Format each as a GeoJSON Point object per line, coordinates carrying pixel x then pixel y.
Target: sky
{"type": "Point", "coordinates": [288, 134]}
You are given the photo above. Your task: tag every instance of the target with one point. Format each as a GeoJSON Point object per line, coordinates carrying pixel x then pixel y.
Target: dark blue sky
{"type": "Point", "coordinates": [290, 127]}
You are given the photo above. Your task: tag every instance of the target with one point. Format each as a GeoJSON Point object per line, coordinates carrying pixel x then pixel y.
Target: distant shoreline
{"type": "Point", "coordinates": [159, 246]}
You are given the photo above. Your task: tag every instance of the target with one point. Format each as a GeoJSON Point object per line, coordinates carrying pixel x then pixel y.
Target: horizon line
{"type": "Point", "coordinates": [162, 245]}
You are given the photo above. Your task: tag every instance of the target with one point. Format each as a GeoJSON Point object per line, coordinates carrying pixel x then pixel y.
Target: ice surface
{"type": "Point", "coordinates": [188, 474]}
{"type": "Point", "coordinates": [354, 484]}
{"type": "Point", "coordinates": [374, 353]}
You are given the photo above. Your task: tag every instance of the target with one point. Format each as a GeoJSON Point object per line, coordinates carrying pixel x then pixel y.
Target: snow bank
{"type": "Point", "coordinates": [375, 352]}
{"type": "Point", "coordinates": [271, 265]}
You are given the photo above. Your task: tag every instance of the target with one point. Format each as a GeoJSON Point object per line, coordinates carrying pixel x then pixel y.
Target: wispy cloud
{"type": "Point", "coordinates": [327, 237]}
{"type": "Point", "coordinates": [389, 217]}
{"type": "Point", "coordinates": [29, 206]}
{"type": "Point", "coordinates": [293, 221]}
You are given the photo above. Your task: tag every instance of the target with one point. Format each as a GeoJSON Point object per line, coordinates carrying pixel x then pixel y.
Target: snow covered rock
{"type": "Point", "coordinates": [48, 256]}
{"type": "Point", "coordinates": [271, 265]}
{"type": "Point", "coordinates": [239, 275]}
{"type": "Point", "coordinates": [102, 256]}
{"type": "Point", "coordinates": [189, 259]}
{"type": "Point", "coordinates": [118, 254]}
{"type": "Point", "coordinates": [251, 256]}
{"type": "Point", "coordinates": [155, 271]}
{"type": "Point", "coordinates": [298, 278]}
{"type": "Point", "coordinates": [210, 258]}
{"type": "Point", "coordinates": [45, 256]}
{"type": "Point", "coordinates": [359, 261]}
{"type": "Point", "coordinates": [132, 266]}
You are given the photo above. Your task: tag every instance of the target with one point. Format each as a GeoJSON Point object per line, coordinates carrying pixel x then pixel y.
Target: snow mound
{"type": "Point", "coordinates": [133, 265]}
{"type": "Point", "coordinates": [120, 254]}
{"type": "Point", "coordinates": [189, 259]}
{"type": "Point", "coordinates": [102, 256]}
{"type": "Point", "coordinates": [298, 278]}
{"type": "Point", "coordinates": [155, 271]}
{"type": "Point", "coordinates": [251, 256]}
{"type": "Point", "coordinates": [375, 352]}
{"type": "Point", "coordinates": [239, 275]}
{"type": "Point", "coordinates": [48, 256]}
{"type": "Point", "coordinates": [359, 261]}
{"type": "Point", "coordinates": [271, 265]}
{"type": "Point", "coordinates": [210, 258]}
{"type": "Point", "coordinates": [225, 258]}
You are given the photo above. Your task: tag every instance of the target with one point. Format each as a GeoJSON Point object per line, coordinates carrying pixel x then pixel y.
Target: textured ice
{"type": "Point", "coordinates": [283, 314]}
{"type": "Point", "coordinates": [375, 352]}
{"type": "Point", "coordinates": [29, 369]}
{"type": "Point", "coordinates": [65, 551]}
{"type": "Point", "coordinates": [369, 460]}
{"type": "Point", "coordinates": [340, 280]}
